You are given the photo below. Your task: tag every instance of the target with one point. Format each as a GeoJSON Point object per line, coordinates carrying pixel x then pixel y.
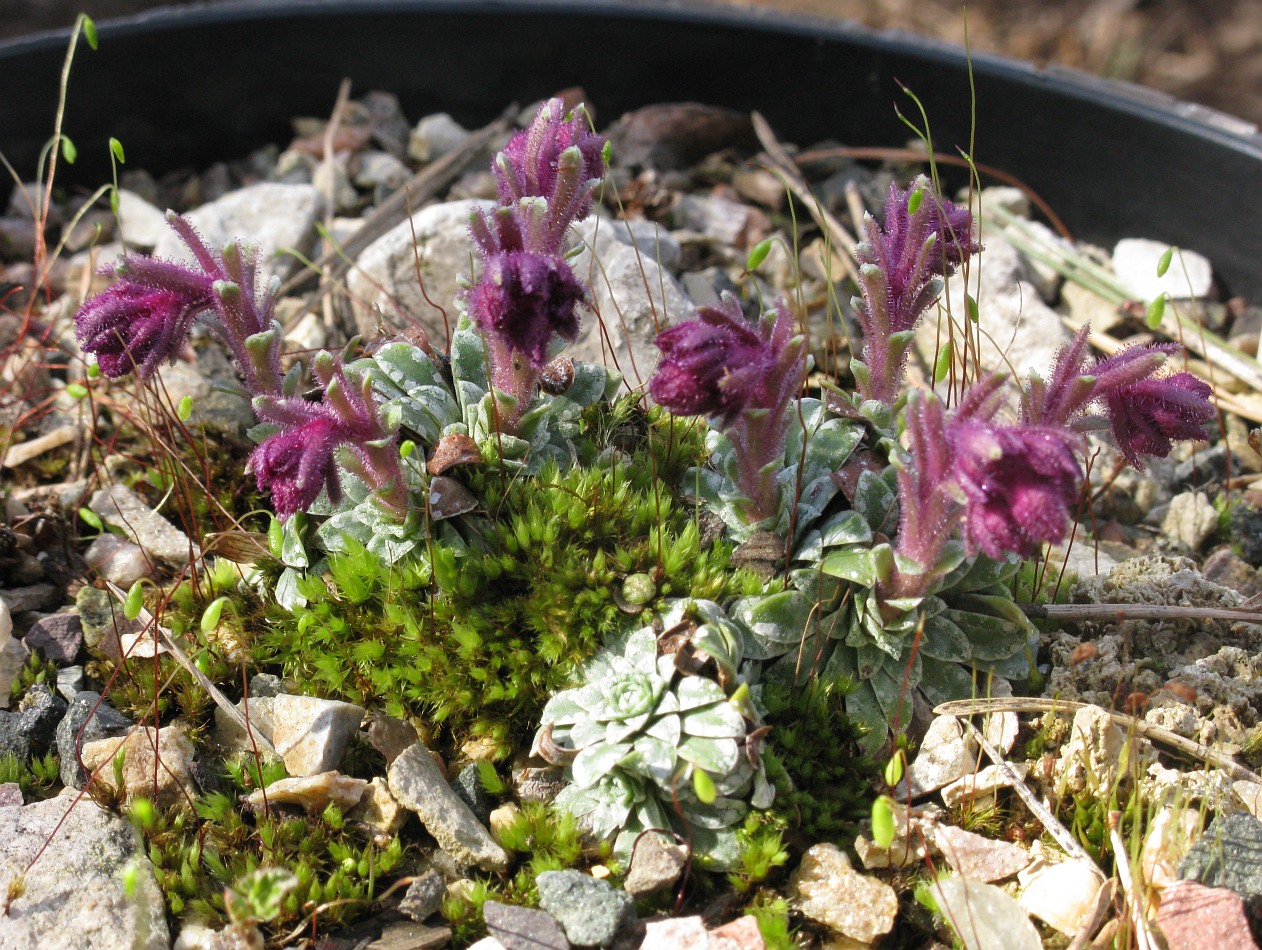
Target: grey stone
{"type": "Point", "coordinates": [30, 597]}
{"type": "Point", "coordinates": [727, 222]}
{"type": "Point", "coordinates": [272, 215]}
{"type": "Point", "coordinates": [1191, 519]}
{"type": "Point", "coordinates": [383, 284]}
{"type": "Point", "coordinates": [69, 681]}
{"type": "Point", "coordinates": [103, 622]}
{"type": "Point", "coordinates": [945, 756]}
{"type": "Point", "coordinates": [380, 170]}
{"type": "Point", "coordinates": [12, 655]}
{"type": "Point", "coordinates": [827, 889]}
{"type": "Point", "coordinates": [985, 917]}
{"type": "Point", "coordinates": [40, 711]}
{"type": "Point", "coordinates": [75, 876]}
{"type": "Point", "coordinates": [1206, 467]}
{"type": "Point", "coordinates": [208, 383]}
{"type": "Point", "coordinates": [655, 865]}
{"type": "Point", "coordinates": [1019, 332]}
{"type": "Point", "coordinates": [313, 793]}
{"type": "Point", "coordinates": [390, 736]}
{"type": "Point", "coordinates": [1194, 917]}
{"type": "Point", "coordinates": [977, 857]}
{"type": "Point", "coordinates": [105, 723]}
{"type": "Point", "coordinates": [1135, 263]}
{"type": "Point", "coordinates": [468, 785]}
{"type": "Point", "coordinates": [435, 136]}
{"type": "Point", "coordinates": [406, 935]}
{"type": "Point", "coordinates": [141, 224]}
{"type": "Point", "coordinates": [119, 505]}
{"type": "Point", "coordinates": [311, 734]}
{"type": "Point", "coordinates": [523, 928]}
{"type": "Point", "coordinates": [10, 794]}
{"type": "Point", "coordinates": [59, 637]}
{"type": "Point", "coordinates": [1228, 855]}
{"type": "Point", "coordinates": [155, 763]}
{"type": "Point", "coordinates": [1246, 531]}
{"type": "Point", "coordinates": [424, 896]}
{"type": "Point", "coordinates": [634, 299]}
{"type": "Point", "coordinates": [13, 739]}
{"type": "Point", "coordinates": [541, 785]}
{"type": "Point", "coordinates": [589, 910]}
{"type": "Point", "coordinates": [416, 781]}
{"type": "Point", "coordinates": [651, 240]}
{"type": "Point", "coordinates": [118, 560]}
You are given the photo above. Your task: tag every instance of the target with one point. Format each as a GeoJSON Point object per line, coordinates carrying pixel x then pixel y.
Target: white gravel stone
{"type": "Point", "coordinates": [141, 225]}
{"type": "Point", "coordinates": [1135, 263]}
{"type": "Point", "coordinates": [1191, 519]}
{"type": "Point", "coordinates": [1063, 895]}
{"type": "Point", "coordinates": [310, 733]}
{"type": "Point", "coordinates": [12, 654]}
{"type": "Point", "coordinates": [977, 857]}
{"type": "Point", "coordinates": [119, 505]}
{"type": "Point", "coordinates": [435, 136]}
{"type": "Point", "coordinates": [828, 890]}
{"type": "Point", "coordinates": [118, 560]}
{"type": "Point", "coordinates": [383, 284]}
{"type": "Point", "coordinates": [314, 793]}
{"type": "Point", "coordinates": [984, 916]}
{"type": "Point", "coordinates": [945, 756]}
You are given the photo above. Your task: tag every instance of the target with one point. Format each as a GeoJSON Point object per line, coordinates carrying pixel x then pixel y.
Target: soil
{"type": "Point", "coordinates": [1206, 51]}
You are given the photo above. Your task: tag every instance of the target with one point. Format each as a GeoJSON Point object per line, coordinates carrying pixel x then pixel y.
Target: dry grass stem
{"type": "Point", "coordinates": [1030, 704]}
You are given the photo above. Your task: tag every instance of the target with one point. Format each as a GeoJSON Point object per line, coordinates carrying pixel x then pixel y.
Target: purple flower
{"type": "Point", "coordinates": [1021, 484]}
{"type": "Point", "coordinates": [925, 238]}
{"type": "Point", "coordinates": [715, 365]}
{"type": "Point", "coordinates": [1148, 413]}
{"type": "Point", "coordinates": [133, 326]}
{"type": "Point", "coordinates": [525, 300]}
{"type": "Point", "coordinates": [295, 463]}
{"type": "Point", "coordinates": [528, 167]}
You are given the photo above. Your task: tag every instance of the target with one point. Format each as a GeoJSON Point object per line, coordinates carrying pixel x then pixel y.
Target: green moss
{"type": "Point", "coordinates": [501, 608]}
{"type": "Point", "coordinates": [38, 778]}
{"type": "Point", "coordinates": [197, 854]}
{"type": "Point", "coordinates": [814, 746]}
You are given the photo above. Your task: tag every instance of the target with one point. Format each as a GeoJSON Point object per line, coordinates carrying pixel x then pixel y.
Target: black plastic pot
{"type": "Point", "coordinates": [192, 85]}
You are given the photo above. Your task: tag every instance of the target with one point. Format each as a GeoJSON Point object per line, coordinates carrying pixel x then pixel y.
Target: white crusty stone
{"type": "Point", "coordinates": [310, 733]}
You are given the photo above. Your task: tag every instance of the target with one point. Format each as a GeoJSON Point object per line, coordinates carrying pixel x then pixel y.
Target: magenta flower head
{"type": "Point", "coordinates": [134, 327]}
{"type": "Point", "coordinates": [1021, 484]}
{"type": "Point", "coordinates": [925, 238]}
{"type": "Point", "coordinates": [295, 463]}
{"type": "Point", "coordinates": [1147, 414]}
{"type": "Point", "coordinates": [526, 299]}
{"type": "Point", "coordinates": [745, 374]}
{"type": "Point", "coordinates": [558, 159]}
{"type": "Point", "coordinates": [715, 365]}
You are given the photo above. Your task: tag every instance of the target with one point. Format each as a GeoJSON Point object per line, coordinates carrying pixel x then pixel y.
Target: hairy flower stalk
{"type": "Point", "coordinates": [145, 318]}
{"type": "Point", "coordinates": [901, 267]}
{"type": "Point", "coordinates": [298, 461]}
{"type": "Point", "coordinates": [744, 376]}
{"type": "Point", "coordinates": [528, 294]}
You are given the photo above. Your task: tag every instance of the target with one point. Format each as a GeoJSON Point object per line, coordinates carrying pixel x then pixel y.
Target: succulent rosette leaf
{"type": "Point", "coordinates": [638, 728]}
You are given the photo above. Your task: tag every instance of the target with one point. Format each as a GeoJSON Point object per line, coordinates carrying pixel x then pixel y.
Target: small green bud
{"type": "Point", "coordinates": [117, 148]}
{"type": "Point", "coordinates": [894, 769]}
{"type": "Point", "coordinates": [89, 30]}
{"type": "Point", "coordinates": [1156, 312]}
{"type": "Point", "coordinates": [757, 254]}
{"type": "Point", "coordinates": [275, 538]}
{"type": "Point", "coordinates": [142, 812]}
{"type": "Point", "coordinates": [185, 409]}
{"type": "Point", "coordinates": [92, 518]}
{"type": "Point", "coordinates": [114, 202]}
{"type": "Point", "coordinates": [970, 307]}
{"type": "Point", "coordinates": [135, 601]}
{"type": "Point", "coordinates": [942, 368]}
{"type": "Point", "coordinates": [1163, 263]}
{"type": "Point", "coordinates": [68, 150]}
{"type": "Point", "coordinates": [606, 152]}
{"type": "Point", "coordinates": [703, 785]}
{"type": "Point", "coordinates": [883, 822]}
{"type": "Point", "coordinates": [406, 448]}
{"type": "Point", "coordinates": [94, 370]}
{"type": "Point", "coordinates": [914, 199]}
{"type": "Point", "coordinates": [212, 614]}
{"type": "Point", "coordinates": [76, 390]}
